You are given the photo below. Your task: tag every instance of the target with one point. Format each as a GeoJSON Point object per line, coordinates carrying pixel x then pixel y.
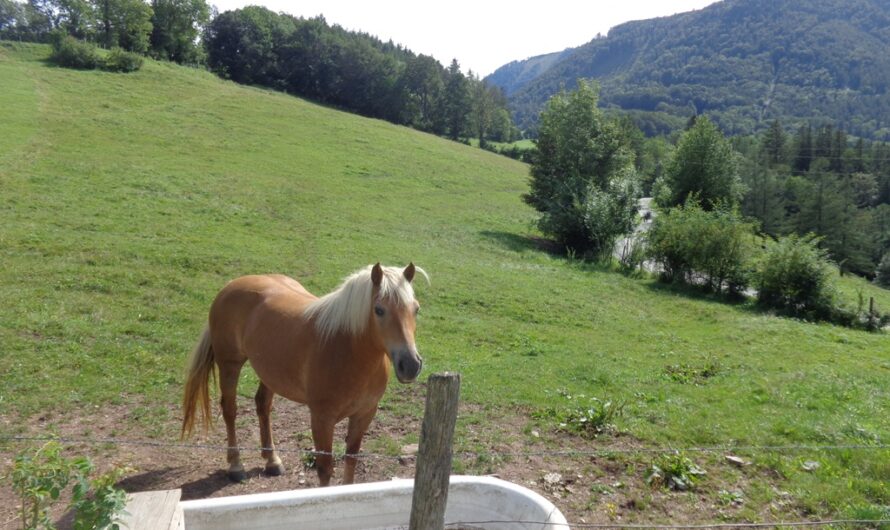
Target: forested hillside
{"type": "Point", "coordinates": [743, 62]}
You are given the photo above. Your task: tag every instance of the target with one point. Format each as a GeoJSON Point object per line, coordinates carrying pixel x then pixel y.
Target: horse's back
{"type": "Point", "coordinates": [249, 301]}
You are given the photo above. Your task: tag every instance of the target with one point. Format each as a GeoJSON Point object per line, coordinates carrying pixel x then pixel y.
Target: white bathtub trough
{"type": "Point", "coordinates": [473, 502]}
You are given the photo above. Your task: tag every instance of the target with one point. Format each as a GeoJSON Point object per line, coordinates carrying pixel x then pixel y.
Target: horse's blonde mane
{"type": "Point", "coordinates": [347, 308]}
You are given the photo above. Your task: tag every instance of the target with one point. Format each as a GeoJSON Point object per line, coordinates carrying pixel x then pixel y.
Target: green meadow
{"type": "Point", "coordinates": [128, 200]}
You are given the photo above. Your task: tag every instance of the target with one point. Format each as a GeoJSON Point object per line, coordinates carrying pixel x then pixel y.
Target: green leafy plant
{"type": "Point", "coordinates": [587, 418]}
{"type": "Point", "coordinates": [674, 471]}
{"type": "Point", "coordinates": [39, 479]}
{"type": "Point", "coordinates": [97, 503]}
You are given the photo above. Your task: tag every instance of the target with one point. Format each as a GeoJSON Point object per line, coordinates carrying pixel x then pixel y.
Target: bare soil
{"type": "Point", "coordinates": [508, 444]}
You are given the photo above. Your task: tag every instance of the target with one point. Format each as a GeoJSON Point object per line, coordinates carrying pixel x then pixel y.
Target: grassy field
{"type": "Point", "coordinates": [127, 202]}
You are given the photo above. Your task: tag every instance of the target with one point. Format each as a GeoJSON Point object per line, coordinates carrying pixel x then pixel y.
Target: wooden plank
{"type": "Point", "coordinates": [433, 471]}
{"type": "Point", "coordinates": [153, 510]}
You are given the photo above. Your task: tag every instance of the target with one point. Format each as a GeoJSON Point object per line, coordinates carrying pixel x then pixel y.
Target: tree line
{"type": "Point", "coordinates": [769, 213]}
{"type": "Point", "coordinates": [355, 71]}
{"type": "Point", "coordinates": [816, 180]}
{"type": "Point", "coordinates": [163, 29]}
{"type": "Point", "coordinates": [305, 57]}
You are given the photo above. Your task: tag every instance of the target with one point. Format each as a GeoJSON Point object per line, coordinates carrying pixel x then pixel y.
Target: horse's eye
{"type": "Point", "coordinates": [378, 311]}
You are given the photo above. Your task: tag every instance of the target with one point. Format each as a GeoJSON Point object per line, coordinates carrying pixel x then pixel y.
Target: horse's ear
{"type": "Point", "coordinates": [409, 272]}
{"type": "Point", "coordinates": [377, 275]}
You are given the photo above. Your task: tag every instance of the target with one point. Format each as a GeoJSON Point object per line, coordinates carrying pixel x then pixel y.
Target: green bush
{"type": "Point", "coordinates": [122, 61]}
{"type": "Point", "coordinates": [794, 275]}
{"type": "Point", "coordinates": [72, 53]}
{"type": "Point", "coordinates": [695, 246]}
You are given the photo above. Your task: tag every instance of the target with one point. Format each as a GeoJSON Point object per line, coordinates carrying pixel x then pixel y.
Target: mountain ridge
{"type": "Point", "coordinates": [743, 62]}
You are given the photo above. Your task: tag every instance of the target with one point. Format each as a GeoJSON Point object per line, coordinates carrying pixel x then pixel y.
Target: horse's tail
{"type": "Point", "coordinates": [197, 388]}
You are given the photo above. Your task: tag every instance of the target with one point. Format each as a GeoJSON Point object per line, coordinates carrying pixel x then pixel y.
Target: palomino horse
{"type": "Point", "coordinates": [332, 353]}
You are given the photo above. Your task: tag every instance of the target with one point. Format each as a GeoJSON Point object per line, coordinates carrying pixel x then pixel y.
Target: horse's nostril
{"type": "Point", "coordinates": [401, 366]}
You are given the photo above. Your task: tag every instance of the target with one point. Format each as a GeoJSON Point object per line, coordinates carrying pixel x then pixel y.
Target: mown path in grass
{"type": "Point", "coordinates": [128, 201]}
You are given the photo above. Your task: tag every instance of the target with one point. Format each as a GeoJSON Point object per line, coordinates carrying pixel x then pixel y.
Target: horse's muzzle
{"type": "Point", "coordinates": [407, 364]}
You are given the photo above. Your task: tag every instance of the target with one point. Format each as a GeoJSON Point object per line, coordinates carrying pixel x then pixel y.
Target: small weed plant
{"type": "Point", "coordinates": [39, 479]}
{"type": "Point", "coordinates": [692, 375]}
{"type": "Point", "coordinates": [585, 417]}
{"type": "Point", "coordinates": [674, 471]}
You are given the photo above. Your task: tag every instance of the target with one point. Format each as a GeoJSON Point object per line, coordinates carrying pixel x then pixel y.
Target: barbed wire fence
{"type": "Point", "coordinates": [601, 452]}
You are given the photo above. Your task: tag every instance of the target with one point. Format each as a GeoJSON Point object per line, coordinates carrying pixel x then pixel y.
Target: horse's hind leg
{"type": "Point", "coordinates": [228, 385]}
{"type": "Point", "coordinates": [264, 412]}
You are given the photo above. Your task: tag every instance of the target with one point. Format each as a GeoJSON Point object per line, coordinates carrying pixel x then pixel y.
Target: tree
{"type": "Point", "coordinates": [423, 86]}
{"type": "Point", "coordinates": [176, 25]}
{"type": "Point", "coordinates": [456, 103]}
{"type": "Point", "coordinates": [124, 23]}
{"type": "Point", "coordinates": [704, 165]}
{"type": "Point", "coordinates": [774, 144]}
{"type": "Point", "coordinates": [31, 21]}
{"type": "Point", "coordinates": [803, 147]}
{"type": "Point", "coordinates": [582, 180]}
{"type": "Point", "coordinates": [483, 107]}
{"type": "Point", "coordinates": [11, 15]}
{"type": "Point", "coordinates": [243, 45]}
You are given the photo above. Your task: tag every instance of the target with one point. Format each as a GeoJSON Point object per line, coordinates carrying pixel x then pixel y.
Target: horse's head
{"type": "Point", "coordinates": [395, 313]}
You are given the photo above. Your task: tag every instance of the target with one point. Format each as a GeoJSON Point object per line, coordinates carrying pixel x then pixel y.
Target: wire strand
{"type": "Point", "coordinates": [606, 451]}
{"type": "Point", "coordinates": [777, 524]}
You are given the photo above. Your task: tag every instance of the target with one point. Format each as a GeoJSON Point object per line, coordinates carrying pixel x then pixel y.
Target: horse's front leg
{"type": "Point", "coordinates": [323, 437]}
{"type": "Point", "coordinates": [358, 425]}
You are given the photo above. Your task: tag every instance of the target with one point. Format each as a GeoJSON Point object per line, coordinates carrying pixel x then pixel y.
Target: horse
{"type": "Point", "coordinates": [333, 354]}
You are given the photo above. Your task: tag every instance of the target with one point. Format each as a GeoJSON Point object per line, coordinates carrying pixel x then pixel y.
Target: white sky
{"type": "Point", "coordinates": [481, 34]}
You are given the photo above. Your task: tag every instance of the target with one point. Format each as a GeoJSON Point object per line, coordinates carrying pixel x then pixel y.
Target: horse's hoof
{"type": "Point", "coordinates": [275, 470]}
{"type": "Point", "coordinates": [238, 475]}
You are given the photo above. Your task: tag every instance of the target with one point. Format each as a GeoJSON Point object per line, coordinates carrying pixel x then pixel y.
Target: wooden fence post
{"type": "Point", "coordinates": [433, 470]}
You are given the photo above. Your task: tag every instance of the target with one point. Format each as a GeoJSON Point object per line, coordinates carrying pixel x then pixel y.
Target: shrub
{"type": "Point", "coordinates": [122, 61]}
{"type": "Point", "coordinates": [72, 53]}
{"type": "Point", "coordinates": [693, 245]}
{"type": "Point", "coordinates": [795, 276]}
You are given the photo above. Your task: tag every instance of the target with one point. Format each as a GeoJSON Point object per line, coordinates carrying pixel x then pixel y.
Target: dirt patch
{"type": "Point", "coordinates": [586, 485]}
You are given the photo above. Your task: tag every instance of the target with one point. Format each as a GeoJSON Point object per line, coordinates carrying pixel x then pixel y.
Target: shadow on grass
{"type": "Point", "coordinates": [520, 243]}
{"type": "Point", "coordinates": [702, 293]}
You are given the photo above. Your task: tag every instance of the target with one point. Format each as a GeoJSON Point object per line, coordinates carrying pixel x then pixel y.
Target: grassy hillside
{"type": "Point", "coordinates": [129, 200]}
